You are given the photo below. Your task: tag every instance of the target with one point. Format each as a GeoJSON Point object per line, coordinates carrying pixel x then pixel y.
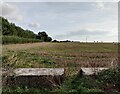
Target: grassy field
{"type": "Point", "coordinates": [70, 56]}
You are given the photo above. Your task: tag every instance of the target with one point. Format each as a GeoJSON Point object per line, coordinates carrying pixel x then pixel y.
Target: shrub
{"type": "Point", "coordinates": [110, 76]}
{"type": "Point", "coordinates": [15, 39]}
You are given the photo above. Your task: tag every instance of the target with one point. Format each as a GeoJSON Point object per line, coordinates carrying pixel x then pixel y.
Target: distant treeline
{"type": "Point", "coordinates": [62, 41]}
{"type": "Point", "coordinates": [15, 34]}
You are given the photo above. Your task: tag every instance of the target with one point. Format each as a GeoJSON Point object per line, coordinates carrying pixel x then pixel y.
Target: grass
{"type": "Point", "coordinates": [107, 81]}
{"type": "Point", "coordinates": [20, 59]}
{"type": "Point", "coordinates": [15, 39]}
{"type": "Point", "coordinates": [25, 90]}
{"type": "Point", "coordinates": [70, 56]}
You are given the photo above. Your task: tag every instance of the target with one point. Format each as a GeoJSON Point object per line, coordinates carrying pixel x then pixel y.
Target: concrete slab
{"type": "Point", "coordinates": [35, 77]}
{"type": "Point", "coordinates": [91, 71]}
{"type": "Point", "coordinates": [38, 71]}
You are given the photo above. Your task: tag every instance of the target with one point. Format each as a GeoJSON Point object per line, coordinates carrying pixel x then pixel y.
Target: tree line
{"type": "Point", "coordinates": [10, 29]}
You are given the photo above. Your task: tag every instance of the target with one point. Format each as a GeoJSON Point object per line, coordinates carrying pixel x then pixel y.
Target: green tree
{"type": "Point", "coordinates": [10, 29]}
{"type": "Point", "coordinates": [49, 39]}
{"type": "Point", "coordinates": [44, 36]}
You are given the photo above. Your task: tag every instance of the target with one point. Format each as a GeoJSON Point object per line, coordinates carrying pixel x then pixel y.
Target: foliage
{"type": "Point", "coordinates": [15, 39]}
{"type": "Point", "coordinates": [79, 85]}
{"type": "Point", "coordinates": [10, 29]}
{"type": "Point", "coordinates": [110, 77]}
{"type": "Point", "coordinates": [93, 84]}
{"type": "Point", "coordinates": [44, 36]}
{"type": "Point", "coordinates": [55, 41]}
{"type": "Point", "coordinates": [24, 90]}
{"type": "Point", "coordinates": [20, 59]}
{"type": "Point", "coordinates": [73, 85]}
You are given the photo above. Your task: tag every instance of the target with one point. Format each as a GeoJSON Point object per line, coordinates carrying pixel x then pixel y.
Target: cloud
{"type": "Point", "coordinates": [67, 20]}
{"type": "Point", "coordinates": [34, 25]}
{"type": "Point", "coordinates": [10, 11]}
{"type": "Point", "coordinates": [100, 5]}
{"type": "Point", "coordinates": [80, 33]}
{"type": "Point", "coordinates": [59, 0]}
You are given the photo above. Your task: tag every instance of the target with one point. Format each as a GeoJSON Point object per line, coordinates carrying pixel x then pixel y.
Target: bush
{"type": "Point", "coordinates": [24, 90]}
{"type": "Point", "coordinates": [110, 76]}
{"type": "Point", "coordinates": [15, 39]}
{"type": "Point", "coordinates": [77, 85]}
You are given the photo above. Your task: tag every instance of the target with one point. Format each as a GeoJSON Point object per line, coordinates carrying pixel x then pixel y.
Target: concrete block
{"type": "Point", "coordinates": [36, 77]}
{"type": "Point", "coordinates": [91, 71]}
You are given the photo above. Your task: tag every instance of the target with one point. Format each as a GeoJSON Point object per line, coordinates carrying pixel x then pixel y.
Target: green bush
{"type": "Point", "coordinates": [15, 39]}
{"type": "Point", "coordinates": [24, 90]}
{"type": "Point", "coordinates": [93, 84]}
{"type": "Point", "coordinates": [77, 85]}
{"type": "Point", "coordinates": [110, 76]}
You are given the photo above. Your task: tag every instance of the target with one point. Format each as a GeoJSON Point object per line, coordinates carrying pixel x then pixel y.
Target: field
{"type": "Point", "coordinates": [70, 56]}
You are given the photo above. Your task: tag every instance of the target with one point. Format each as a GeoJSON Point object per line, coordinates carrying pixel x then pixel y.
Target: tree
{"type": "Point", "coordinates": [49, 39]}
{"type": "Point", "coordinates": [44, 36]}
{"type": "Point", "coordinates": [55, 41]}
{"type": "Point", "coordinates": [10, 29]}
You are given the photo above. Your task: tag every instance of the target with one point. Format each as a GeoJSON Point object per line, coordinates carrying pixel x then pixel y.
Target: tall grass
{"type": "Point", "coordinates": [15, 39]}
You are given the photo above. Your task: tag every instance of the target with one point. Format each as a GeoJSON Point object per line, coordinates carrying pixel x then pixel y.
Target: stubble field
{"type": "Point", "coordinates": [70, 56]}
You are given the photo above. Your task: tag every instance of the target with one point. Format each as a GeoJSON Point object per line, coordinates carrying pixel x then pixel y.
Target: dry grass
{"type": "Point", "coordinates": [71, 56]}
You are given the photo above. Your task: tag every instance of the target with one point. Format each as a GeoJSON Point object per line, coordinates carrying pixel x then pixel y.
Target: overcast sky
{"type": "Point", "coordinates": [97, 21]}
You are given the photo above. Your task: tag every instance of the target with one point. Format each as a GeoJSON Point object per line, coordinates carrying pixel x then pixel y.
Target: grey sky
{"type": "Point", "coordinates": [66, 20]}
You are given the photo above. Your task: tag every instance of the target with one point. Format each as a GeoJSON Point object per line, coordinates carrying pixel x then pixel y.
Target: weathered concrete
{"type": "Point", "coordinates": [38, 71]}
{"type": "Point", "coordinates": [36, 77]}
{"type": "Point", "coordinates": [91, 71]}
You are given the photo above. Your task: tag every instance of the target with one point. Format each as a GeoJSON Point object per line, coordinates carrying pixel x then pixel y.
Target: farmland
{"type": "Point", "coordinates": [71, 56]}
